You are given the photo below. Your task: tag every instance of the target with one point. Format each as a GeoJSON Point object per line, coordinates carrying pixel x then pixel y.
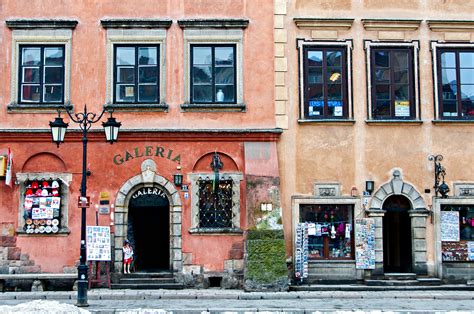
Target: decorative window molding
{"type": "Point", "coordinates": [450, 25]}
{"type": "Point", "coordinates": [414, 45]}
{"type": "Point", "coordinates": [323, 23]}
{"type": "Point", "coordinates": [212, 37]}
{"type": "Point", "coordinates": [138, 36]}
{"type": "Point", "coordinates": [327, 189]}
{"type": "Point", "coordinates": [195, 210]}
{"type": "Point", "coordinates": [435, 47]}
{"type": "Point", "coordinates": [135, 23]}
{"type": "Point", "coordinates": [213, 23]}
{"type": "Point", "coordinates": [391, 24]}
{"type": "Point", "coordinates": [65, 178]}
{"type": "Point", "coordinates": [347, 45]}
{"type": "Point", "coordinates": [41, 23]}
{"type": "Point", "coordinates": [30, 36]}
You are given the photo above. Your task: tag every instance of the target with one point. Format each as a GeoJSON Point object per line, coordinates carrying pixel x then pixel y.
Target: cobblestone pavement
{"type": "Point", "coordinates": [235, 301]}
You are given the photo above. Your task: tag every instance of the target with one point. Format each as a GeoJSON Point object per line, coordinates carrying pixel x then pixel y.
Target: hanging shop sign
{"type": "Point", "coordinates": [83, 201]}
{"type": "Point", "coordinates": [147, 151]}
{"type": "Point", "coordinates": [98, 243]}
{"type": "Point", "coordinates": [365, 243]}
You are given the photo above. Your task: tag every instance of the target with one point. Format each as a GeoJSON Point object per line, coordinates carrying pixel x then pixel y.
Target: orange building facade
{"type": "Point", "coordinates": [191, 83]}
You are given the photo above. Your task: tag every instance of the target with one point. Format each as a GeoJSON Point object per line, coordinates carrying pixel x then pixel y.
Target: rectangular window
{"type": "Point", "coordinates": [330, 230]}
{"type": "Point", "coordinates": [41, 74]}
{"type": "Point", "coordinates": [393, 83]}
{"type": "Point", "coordinates": [456, 83]}
{"type": "Point", "coordinates": [213, 74]}
{"type": "Point", "coordinates": [215, 204]}
{"type": "Point", "coordinates": [325, 83]}
{"type": "Point", "coordinates": [457, 233]}
{"type": "Point", "coordinates": [136, 74]}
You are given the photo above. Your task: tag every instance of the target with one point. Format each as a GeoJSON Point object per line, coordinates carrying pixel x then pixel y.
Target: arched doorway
{"type": "Point", "coordinates": [397, 243]}
{"type": "Point", "coordinates": [149, 229]}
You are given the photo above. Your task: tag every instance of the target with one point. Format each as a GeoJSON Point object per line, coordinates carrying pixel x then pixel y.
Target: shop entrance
{"type": "Point", "coordinates": [397, 247]}
{"type": "Point", "coordinates": [148, 229]}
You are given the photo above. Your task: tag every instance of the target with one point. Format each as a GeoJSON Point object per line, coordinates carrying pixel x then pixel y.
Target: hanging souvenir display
{"type": "Point", "coordinates": [301, 258]}
{"type": "Point", "coordinates": [365, 243]}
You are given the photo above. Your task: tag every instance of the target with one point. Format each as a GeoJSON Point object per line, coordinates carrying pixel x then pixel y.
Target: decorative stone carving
{"type": "Point", "coordinates": [327, 189]}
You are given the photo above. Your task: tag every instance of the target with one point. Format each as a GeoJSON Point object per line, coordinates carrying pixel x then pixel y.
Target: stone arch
{"type": "Point", "coordinates": [148, 178]}
{"type": "Point", "coordinates": [44, 162]}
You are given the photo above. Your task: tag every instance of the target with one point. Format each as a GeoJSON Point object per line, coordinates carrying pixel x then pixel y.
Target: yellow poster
{"type": "Point", "coordinates": [402, 108]}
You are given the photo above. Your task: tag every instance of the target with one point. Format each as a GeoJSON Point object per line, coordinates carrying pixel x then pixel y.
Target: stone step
{"type": "Point", "coordinates": [125, 280]}
{"type": "Point", "coordinates": [383, 282]}
{"type": "Point", "coordinates": [148, 286]}
{"type": "Point", "coordinates": [400, 276]}
{"type": "Point", "coordinates": [429, 281]}
{"type": "Point", "coordinates": [149, 275]}
{"type": "Point", "coordinates": [359, 287]}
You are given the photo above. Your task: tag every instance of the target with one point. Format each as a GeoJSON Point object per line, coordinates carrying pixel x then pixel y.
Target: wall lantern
{"type": "Point", "coordinates": [178, 177]}
{"type": "Point", "coordinates": [111, 128]}
{"type": "Point", "coordinates": [369, 186]}
{"type": "Point", "coordinates": [440, 172]}
{"type": "Point", "coordinates": [58, 129]}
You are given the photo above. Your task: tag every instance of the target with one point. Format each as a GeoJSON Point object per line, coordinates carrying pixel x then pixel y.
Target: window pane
{"type": "Point", "coordinates": [382, 91]}
{"type": "Point", "coordinates": [202, 55]}
{"type": "Point", "coordinates": [125, 93]}
{"type": "Point", "coordinates": [335, 108]}
{"type": "Point", "coordinates": [467, 76]}
{"type": "Point", "coordinates": [334, 74]}
{"type": "Point", "coordinates": [315, 58]}
{"type": "Point", "coordinates": [315, 75]}
{"type": "Point", "coordinates": [467, 108]}
{"type": "Point", "coordinates": [334, 91]}
{"type": "Point", "coordinates": [125, 75]}
{"type": "Point", "coordinates": [449, 91]}
{"type": "Point", "coordinates": [316, 108]}
{"type": "Point", "coordinates": [53, 93]}
{"type": "Point", "coordinates": [147, 93]}
{"type": "Point", "coordinates": [53, 56]}
{"type": "Point", "coordinates": [401, 92]}
{"type": "Point", "coordinates": [449, 108]}
{"type": "Point", "coordinates": [315, 92]}
{"type": "Point", "coordinates": [202, 74]}
{"type": "Point", "coordinates": [400, 59]}
{"type": "Point", "coordinates": [224, 56]}
{"type": "Point", "coordinates": [224, 75]}
{"type": "Point", "coordinates": [333, 58]}
{"type": "Point", "coordinates": [30, 93]}
{"type": "Point", "coordinates": [448, 59]}
{"type": "Point", "coordinates": [148, 74]}
{"type": "Point", "coordinates": [382, 108]}
{"type": "Point", "coordinates": [401, 76]}
{"type": "Point", "coordinates": [147, 55]}
{"type": "Point", "coordinates": [125, 55]}
{"type": "Point", "coordinates": [467, 92]}
{"type": "Point", "coordinates": [202, 93]}
{"type": "Point", "coordinates": [382, 58]}
{"type": "Point", "coordinates": [466, 59]}
{"type": "Point", "coordinates": [53, 75]}
{"type": "Point", "coordinates": [31, 56]}
{"type": "Point", "coordinates": [30, 75]}
{"type": "Point", "coordinates": [448, 76]}
{"type": "Point", "coordinates": [382, 75]}
{"type": "Point", "coordinates": [227, 90]}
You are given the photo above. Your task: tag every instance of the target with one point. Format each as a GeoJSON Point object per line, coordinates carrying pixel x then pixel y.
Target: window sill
{"type": "Point", "coordinates": [215, 231]}
{"type": "Point", "coordinates": [328, 121]}
{"type": "Point", "coordinates": [454, 121]}
{"type": "Point", "coordinates": [36, 108]}
{"type": "Point", "coordinates": [63, 232]}
{"type": "Point", "coordinates": [138, 107]}
{"type": "Point", "coordinates": [213, 107]}
{"type": "Point", "coordinates": [393, 121]}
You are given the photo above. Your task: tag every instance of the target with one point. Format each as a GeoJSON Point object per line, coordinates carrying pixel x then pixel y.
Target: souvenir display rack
{"type": "Point", "coordinates": [457, 233]}
{"type": "Point", "coordinates": [42, 206]}
{"type": "Point", "coordinates": [301, 257]}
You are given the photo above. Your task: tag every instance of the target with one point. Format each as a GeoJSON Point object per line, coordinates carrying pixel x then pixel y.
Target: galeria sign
{"type": "Point", "coordinates": [147, 151]}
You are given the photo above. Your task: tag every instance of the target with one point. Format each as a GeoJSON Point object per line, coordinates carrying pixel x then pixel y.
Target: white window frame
{"type": "Point", "coordinates": [347, 44]}
{"type": "Point", "coordinates": [415, 45]}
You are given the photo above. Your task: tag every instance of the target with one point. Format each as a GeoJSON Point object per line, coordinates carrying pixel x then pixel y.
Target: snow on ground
{"type": "Point", "coordinates": [42, 307]}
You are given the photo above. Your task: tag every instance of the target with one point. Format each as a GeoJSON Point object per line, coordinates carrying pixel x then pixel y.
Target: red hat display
{"type": "Point", "coordinates": [38, 192]}
{"type": "Point", "coordinates": [55, 192]}
{"type": "Point", "coordinates": [35, 185]}
{"type": "Point", "coordinates": [45, 184]}
{"type": "Point", "coordinates": [29, 192]}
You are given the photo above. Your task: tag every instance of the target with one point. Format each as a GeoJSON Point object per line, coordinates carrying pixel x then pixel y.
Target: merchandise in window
{"type": "Point", "coordinates": [325, 83]}
{"type": "Point", "coordinates": [393, 87]}
{"type": "Point", "coordinates": [330, 231]}
{"type": "Point", "coordinates": [457, 233]}
{"type": "Point", "coordinates": [41, 78]}
{"type": "Point", "coordinates": [42, 206]}
{"type": "Point", "coordinates": [136, 74]}
{"type": "Point", "coordinates": [456, 83]}
{"type": "Point", "coordinates": [215, 203]}
{"type": "Point", "coordinates": [213, 74]}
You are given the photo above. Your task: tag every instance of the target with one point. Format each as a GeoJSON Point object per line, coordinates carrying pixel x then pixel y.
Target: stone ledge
{"type": "Point", "coordinates": [40, 23]}
{"type": "Point", "coordinates": [137, 107]}
{"type": "Point", "coordinates": [454, 121]}
{"type": "Point", "coordinates": [393, 121]}
{"type": "Point", "coordinates": [135, 23]}
{"type": "Point", "coordinates": [213, 23]}
{"type": "Point", "coordinates": [214, 107]}
{"type": "Point", "coordinates": [323, 23]}
{"type": "Point", "coordinates": [450, 25]}
{"type": "Point", "coordinates": [328, 121]}
{"type": "Point", "coordinates": [36, 108]}
{"type": "Point", "coordinates": [214, 231]}
{"type": "Point", "coordinates": [390, 24]}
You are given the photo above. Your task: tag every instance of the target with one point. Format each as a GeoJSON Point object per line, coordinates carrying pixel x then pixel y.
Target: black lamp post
{"type": "Point", "coordinates": [440, 171]}
{"type": "Point", "coordinates": [58, 130]}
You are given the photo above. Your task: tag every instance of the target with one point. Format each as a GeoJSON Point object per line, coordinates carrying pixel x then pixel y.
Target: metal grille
{"type": "Point", "coordinates": [215, 203]}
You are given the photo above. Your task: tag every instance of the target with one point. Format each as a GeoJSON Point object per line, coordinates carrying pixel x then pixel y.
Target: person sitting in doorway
{"type": "Point", "coordinates": [127, 256]}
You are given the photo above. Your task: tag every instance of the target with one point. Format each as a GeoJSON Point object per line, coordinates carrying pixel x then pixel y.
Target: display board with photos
{"type": "Point", "coordinates": [301, 256]}
{"type": "Point", "coordinates": [98, 243]}
{"type": "Point", "coordinates": [365, 243]}
{"type": "Point", "coordinates": [457, 233]}
{"type": "Point", "coordinates": [42, 206]}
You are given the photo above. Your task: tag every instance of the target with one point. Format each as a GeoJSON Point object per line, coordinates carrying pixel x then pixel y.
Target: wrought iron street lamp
{"type": "Point", "coordinates": [58, 129]}
{"type": "Point", "coordinates": [440, 171]}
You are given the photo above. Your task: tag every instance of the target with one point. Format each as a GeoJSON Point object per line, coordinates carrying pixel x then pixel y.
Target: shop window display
{"type": "Point", "coordinates": [457, 233]}
{"type": "Point", "coordinates": [330, 231]}
{"type": "Point", "coordinates": [42, 206]}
